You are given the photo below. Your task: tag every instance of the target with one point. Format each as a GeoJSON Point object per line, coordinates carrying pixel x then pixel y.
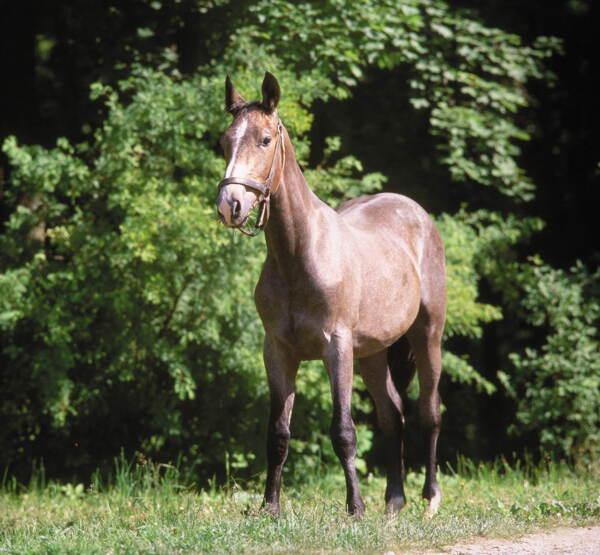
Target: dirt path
{"type": "Point", "coordinates": [572, 541]}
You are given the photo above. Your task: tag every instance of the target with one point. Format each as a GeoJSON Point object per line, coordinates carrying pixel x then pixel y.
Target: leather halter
{"type": "Point", "coordinates": [265, 189]}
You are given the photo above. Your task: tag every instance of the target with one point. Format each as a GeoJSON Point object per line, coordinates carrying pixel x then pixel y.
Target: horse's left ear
{"type": "Point", "coordinates": [270, 92]}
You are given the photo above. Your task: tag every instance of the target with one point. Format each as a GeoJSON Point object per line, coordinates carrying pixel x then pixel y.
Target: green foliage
{"type": "Point", "coordinates": [470, 77]}
{"type": "Point", "coordinates": [343, 179]}
{"type": "Point", "coordinates": [556, 386]}
{"type": "Point", "coordinates": [465, 313]}
{"type": "Point", "coordinates": [110, 300]}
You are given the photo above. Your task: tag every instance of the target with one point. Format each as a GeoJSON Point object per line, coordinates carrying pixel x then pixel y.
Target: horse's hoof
{"type": "Point", "coordinates": [271, 509]}
{"type": "Point", "coordinates": [394, 506]}
{"type": "Point", "coordinates": [433, 504]}
{"type": "Point", "coordinates": [356, 509]}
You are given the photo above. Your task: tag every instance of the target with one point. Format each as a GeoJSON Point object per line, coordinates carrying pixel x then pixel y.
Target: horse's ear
{"type": "Point", "coordinates": [233, 99]}
{"type": "Point", "coordinates": [270, 92]}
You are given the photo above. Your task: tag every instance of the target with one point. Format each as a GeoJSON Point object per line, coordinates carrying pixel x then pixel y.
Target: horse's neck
{"type": "Point", "coordinates": [294, 217]}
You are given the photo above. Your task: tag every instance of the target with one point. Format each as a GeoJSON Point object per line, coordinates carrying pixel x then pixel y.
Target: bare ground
{"type": "Point", "coordinates": [572, 541]}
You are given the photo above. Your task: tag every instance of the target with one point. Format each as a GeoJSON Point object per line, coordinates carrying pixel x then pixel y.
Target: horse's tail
{"type": "Point", "coordinates": [402, 364]}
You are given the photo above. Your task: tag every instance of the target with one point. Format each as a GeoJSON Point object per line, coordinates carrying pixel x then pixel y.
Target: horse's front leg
{"type": "Point", "coordinates": [338, 359]}
{"type": "Point", "coordinates": [281, 369]}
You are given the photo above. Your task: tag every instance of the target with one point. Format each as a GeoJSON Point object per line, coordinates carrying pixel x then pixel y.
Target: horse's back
{"type": "Point", "coordinates": [373, 211]}
{"type": "Point", "coordinates": [391, 217]}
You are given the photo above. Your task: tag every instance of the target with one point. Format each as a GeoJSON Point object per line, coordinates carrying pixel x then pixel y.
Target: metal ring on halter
{"type": "Point", "coordinates": [263, 188]}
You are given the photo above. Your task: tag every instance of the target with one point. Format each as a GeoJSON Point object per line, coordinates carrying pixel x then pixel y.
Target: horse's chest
{"type": "Point", "coordinates": [300, 314]}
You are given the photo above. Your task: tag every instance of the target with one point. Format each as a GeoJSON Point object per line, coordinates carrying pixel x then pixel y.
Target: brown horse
{"type": "Point", "coordinates": [366, 281]}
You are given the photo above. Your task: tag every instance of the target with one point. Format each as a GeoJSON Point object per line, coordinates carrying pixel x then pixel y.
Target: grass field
{"type": "Point", "coordinates": [145, 509]}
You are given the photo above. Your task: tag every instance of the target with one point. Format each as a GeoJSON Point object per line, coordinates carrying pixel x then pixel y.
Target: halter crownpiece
{"type": "Point", "coordinates": [264, 189]}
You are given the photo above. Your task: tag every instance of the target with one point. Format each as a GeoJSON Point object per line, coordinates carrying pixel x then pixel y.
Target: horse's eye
{"type": "Point", "coordinates": [266, 141]}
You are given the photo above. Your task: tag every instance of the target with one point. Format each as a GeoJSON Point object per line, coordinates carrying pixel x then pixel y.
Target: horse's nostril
{"type": "Point", "coordinates": [235, 208]}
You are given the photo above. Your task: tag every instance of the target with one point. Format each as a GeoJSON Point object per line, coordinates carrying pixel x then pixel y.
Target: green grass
{"type": "Point", "coordinates": [144, 509]}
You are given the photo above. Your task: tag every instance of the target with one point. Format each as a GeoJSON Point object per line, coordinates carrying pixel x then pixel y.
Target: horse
{"type": "Point", "coordinates": [366, 281]}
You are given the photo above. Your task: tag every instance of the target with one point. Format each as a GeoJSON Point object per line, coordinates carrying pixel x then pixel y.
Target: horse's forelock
{"type": "Point", "coordinates": [241, 108]}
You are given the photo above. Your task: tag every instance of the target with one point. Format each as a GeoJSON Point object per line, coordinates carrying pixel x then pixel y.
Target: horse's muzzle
{"type": "Point", "coordinates": [234, 204]}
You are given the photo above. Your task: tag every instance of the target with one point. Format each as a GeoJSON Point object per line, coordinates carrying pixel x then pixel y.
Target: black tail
{"type": "Point", "coordinates": [402, 364]}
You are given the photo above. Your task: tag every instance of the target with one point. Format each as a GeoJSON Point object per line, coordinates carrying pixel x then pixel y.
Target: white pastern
{"type": "Point", "coordinates": [433, 505]}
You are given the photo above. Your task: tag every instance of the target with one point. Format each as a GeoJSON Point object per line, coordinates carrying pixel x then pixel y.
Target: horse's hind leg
{"type": "Point", "coordinates": [425, 337]}
{"type": "Point", "coordinates": [376, 375]}
{"type": "Point", "coordinates": [425, 340]}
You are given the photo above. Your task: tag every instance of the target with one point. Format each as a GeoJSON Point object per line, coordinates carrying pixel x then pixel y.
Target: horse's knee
{"type": "Point", "coordinates": [390, 420]}
{"type": "Point", "coordinates": [277, 443]}
{"type": "Point", "coordinates": [429, 411]}
{"type": "Point", "coordinates": [431, 422]}
{"type": "Point", "coordinates": [343, 438]}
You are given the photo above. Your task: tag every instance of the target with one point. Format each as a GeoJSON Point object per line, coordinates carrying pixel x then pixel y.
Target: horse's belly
{"type": "Point", "coordinates": [368, 342]}
{"type": "Point", "coordinates": [388, 309]}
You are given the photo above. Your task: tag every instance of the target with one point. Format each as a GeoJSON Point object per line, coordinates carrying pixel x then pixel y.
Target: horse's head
{"type": "Point", "coordinates": [253, 147]}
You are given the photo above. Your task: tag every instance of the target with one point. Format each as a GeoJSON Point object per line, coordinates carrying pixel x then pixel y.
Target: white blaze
{"type": "Point", "coordinates": [237, 140]}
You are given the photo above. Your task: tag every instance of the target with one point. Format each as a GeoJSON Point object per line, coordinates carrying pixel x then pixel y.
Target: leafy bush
{"type": "Point", "coordinates": [112, 330]}
{"type": "Point", "coordinates": [557, 385]}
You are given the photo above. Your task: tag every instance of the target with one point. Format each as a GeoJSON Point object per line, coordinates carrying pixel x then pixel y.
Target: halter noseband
{"type": "Point", "coordinates": [265, 189]}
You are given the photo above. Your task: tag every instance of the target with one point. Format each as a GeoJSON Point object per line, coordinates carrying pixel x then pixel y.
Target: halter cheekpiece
{"type": "Point", "coordinates": [265, 189]}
